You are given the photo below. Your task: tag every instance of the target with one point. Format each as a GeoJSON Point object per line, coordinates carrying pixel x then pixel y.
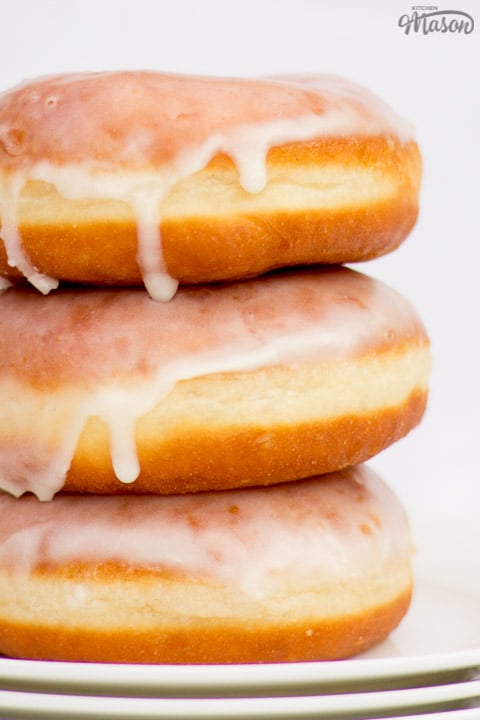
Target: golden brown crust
{"type": "Point", "coordinates": [201, 460]}
{"type": "Point", "coordinates": [96, 241]}
{"type": "Point", "coordinates": [215, 642]}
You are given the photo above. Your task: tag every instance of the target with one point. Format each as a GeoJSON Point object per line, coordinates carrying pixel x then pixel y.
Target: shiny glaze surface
{"type": "Point", "coordinates": [319, 530]}
{"type": "Point", "coordinates": [136, 118]}
{"type": "Point", "coordinates": [87, 337]}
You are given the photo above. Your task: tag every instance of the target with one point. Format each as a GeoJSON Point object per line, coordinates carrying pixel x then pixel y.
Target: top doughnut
{"type": "Point", "coordinates": [130, 177]}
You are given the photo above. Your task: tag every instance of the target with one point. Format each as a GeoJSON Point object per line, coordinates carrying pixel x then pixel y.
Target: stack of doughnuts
{"type": "Point", "coordinates": [191, 379]}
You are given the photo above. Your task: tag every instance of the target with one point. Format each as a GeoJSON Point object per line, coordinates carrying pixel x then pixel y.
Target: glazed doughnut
{"type": "Point", "coordinates": [256, 382]}
{"type": "Point", "coordinates": [125, 177]}
{"type": "Point", "coordinates": [318, 569]}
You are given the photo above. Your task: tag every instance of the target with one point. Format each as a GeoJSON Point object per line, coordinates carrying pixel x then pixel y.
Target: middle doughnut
{"type": "Point", "coordinates": [250, 383]}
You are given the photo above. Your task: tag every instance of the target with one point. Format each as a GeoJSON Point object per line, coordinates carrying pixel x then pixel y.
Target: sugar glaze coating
{"type": "Point", "coordinates": [331, 528]}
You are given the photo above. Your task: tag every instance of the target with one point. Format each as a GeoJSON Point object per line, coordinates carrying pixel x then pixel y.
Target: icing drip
{"type": "Point", "coordinates": [4, 284]}
{"type": "Point", "coordinates": [113, 405]}
{"type": "Point", "coordinates": [133, 162]}
{"type": "Point", "coordinates": [13, 242]}
{"type": "Point", "coordinates": [333, 528]}
{"type": "Point", "coordinates": [156, 279]}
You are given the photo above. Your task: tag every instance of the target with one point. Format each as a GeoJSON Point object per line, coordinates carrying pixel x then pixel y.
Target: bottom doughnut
{"type": "Point", "coordinates": [312, 570]}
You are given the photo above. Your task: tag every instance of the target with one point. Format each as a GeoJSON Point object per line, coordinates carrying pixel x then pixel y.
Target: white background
{"type": "Point", "coordinates": [433, 80]}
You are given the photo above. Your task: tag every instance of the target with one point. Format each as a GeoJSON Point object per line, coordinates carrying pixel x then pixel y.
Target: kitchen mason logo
{"type": "Point", "coordinates": [426, 19]}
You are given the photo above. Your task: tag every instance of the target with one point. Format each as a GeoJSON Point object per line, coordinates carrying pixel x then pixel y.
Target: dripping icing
{"type": "Point", "coordinates": [10, 234]}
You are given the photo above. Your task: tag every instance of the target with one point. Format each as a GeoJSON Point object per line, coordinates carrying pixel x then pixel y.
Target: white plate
{"type": "Point", "coordinates": [35, 705]}
{"type": "Point", "coordinates": [239, 680]}
{"type": "Point", "coordinates": [438, 642]}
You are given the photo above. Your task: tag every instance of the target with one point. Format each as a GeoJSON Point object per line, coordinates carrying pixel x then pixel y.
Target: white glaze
{"type": "Point", "coordinates": [4, 284]}
{"type": "Point", "coordinates": [307, 533]}
{"type": "Point", "coordinates": [347, 109]}
{"type": "Point", "coordinates": [11, 236]}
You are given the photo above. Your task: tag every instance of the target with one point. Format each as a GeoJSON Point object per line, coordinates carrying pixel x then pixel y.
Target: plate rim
{"type": "Point", "coordinates": [318, 674]}
{"type": "Point", "coordinates": [219, 707]}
